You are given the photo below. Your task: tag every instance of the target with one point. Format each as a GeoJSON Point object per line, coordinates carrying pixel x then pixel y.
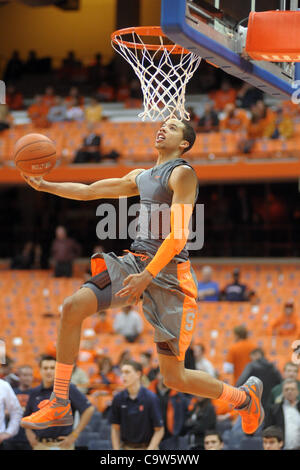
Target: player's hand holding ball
{"type": "Point", "coordinates": [35, 156]}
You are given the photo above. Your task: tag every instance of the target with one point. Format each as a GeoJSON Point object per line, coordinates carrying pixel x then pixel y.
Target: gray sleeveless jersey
{"type": "Point", "coordinates": [153, 224]}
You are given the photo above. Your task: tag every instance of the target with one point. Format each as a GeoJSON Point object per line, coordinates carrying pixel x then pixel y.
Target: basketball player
{"type": "Point", "coordinates": [158, 270]}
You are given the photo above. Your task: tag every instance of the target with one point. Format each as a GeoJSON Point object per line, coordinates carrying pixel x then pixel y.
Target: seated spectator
{"type": "Point", "coordinates": [281, 127]}
{"type": "Point", "coordinates": [261, 117]}
{"type": "Point", "coordinates": [93, 111]}
{"type": "Point", "coordinates": [235, 291]}
{"type": "Point", "coordinates": [105, 375]}
{"type": "Point", "coordinates": [226, 94]}
{"type": "Point", "coordinates": [201, 363]}
{"type": "Point", "coordinates": [248, 95]}
{"type": "Point", "coordinates": [128, 323]}
{"type": "Point", "coordinates": [263, 369]}
{"type": "Point", "coordinates": [238, 353]}
{"type": "Point", "coordinates": [287, 324]}
{"type": "Point", "coordinates": [208, 289]}
{"type": "Point", "coordinates": [88, 348]}
{"type": "Point", "coordinates": [209, 122]}
{"type": "Point", "coordinates": [90, 152]}
{"type": "Point", "coordinates": [49, 97]}
{"type": "Point", "coordinates": [174, 408]}
{"type": "Point", "coordinates": [57, 112]}
{"type": "Point", "coordinates": [272, 438]}
{"type": "Point", "coordinates": [104, 324]}
{"type": "Point", "coordinates": [123, 90]}
{"type": "Point", "coordinates": [7, 372]}
{"type": "Point", "coordinates": [148, 369]}
{"type": "Point", "coordinates": [14, 98]}
{"type": "Point", "coordinates": [74, 94]}
{"type": "Point", "coordinates": [234, 119]}
{"type": "Point", "coordinates": [290, 371]}
{"type": "Point", "coordinates": [5, 118]}
{"type": "Point", "coordinates": [286, 415]}
{"type": "Point", "coordinates": [38, 112]}
{"type": "Point", "coordinates": [80, 379]}
{"type": "Point", "coordinates": [74, 111]}
{"type": "Point", "coordinates": [14, 68]}
{"type": "Point", "coordinates": [124, 357]}
{"type": "Point", "coordinates": [201, 417]}
{"type": "Point", "coordinates": [213, 440]}
{"type": "Point", "coordinates": [105, 92]}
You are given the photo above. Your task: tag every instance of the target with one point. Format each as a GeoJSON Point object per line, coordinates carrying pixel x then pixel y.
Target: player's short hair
{"type": "Point", "coordinates": [137, 366]}
{"type": "Point", "coordinates": [291, 364]}
{"type": "Point", "coordinates": [258, 350]}
{"type": "Point", "coordinates": [46, 357]}
{"type": "Point", "coordinates": [241, 332]}
{"type": "Point", "coordinates": [213, 432]}
{"type": "Point", "coordinates": [189, 134]}
{"type": "Point", "coordinates": [273, 431]}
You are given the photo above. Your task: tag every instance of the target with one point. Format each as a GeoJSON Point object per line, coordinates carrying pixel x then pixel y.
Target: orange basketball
{"type": "Point", "coordinates": [35, 154]}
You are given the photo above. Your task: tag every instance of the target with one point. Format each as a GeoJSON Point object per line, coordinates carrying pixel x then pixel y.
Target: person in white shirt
{"type": "Point", "coordinates": [128, 323]}
{"type": "Point", "coordinates": [9, 403]}
{"type": "Point", "coordinates": [201, 363]}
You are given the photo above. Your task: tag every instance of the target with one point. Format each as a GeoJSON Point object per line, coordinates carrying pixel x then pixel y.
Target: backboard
{"type": "Point", "coordinates": [219, 37]}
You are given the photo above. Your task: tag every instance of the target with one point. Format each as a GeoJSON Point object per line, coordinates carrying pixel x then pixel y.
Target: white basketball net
{"type": "Point", "coordinates": [163, 76]}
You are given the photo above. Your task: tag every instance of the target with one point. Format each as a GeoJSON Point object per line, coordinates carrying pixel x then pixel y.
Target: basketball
{"type": "Point", "coordinates": [35, 154]}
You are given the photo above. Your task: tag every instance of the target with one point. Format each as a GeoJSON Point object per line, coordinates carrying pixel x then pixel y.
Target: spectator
{"type": "Point", "coordinates": [281, 127]}
{"type": "Point", "coordinates": [5, 118]}
{"type": "Point", "coordinates": [248, 95]}
{"type": "Point", "coordinates": [22, 391]}
{"type": "Point", "coordinates": [31, 65]}
{"type": "Point", "coordinates": [135, 96]}
{"type": "Point", "coordinates": [149, 370]}
{"type": "Point", "coordinates": [105, 92]}
{"type": "Point", "coordinates": [91, 149]}
{"type": "Point", "coordinates": [125, 356]}
{"type": "Point", "coordinates": [8, 403]}
{"type": "Point", "coordinates": [287, 323]}
{"type": "Point", "coordinates": [93, 111]}
{"type": "Point", "coordinates": [14, 98]}
{"type": "Point", "coordinates": [48, 99]}
{"type": "Point", "coordinates": [208, 289]}
{"type": "Point", "coordinates": [56, 437]}
{"type": "Point", "coordinates": [88, 349]}
{"type": "Point", "coordinates": [14, 68]}
{"type": "Point", "coordinates": [128, 323]}
{"type": "Point", "coordinates": [174, 412]}
{"type": "Point", "coordinates": [226, 94]}
{"type": "Point", "coordinates": [236, 292]}
{"type": "Point", "coordinates": [263, 369]}
{"type": "Point", "coordinates": [213, 440]}
{"type": "Point", "coordinates": [38, 112]}
{"type": "Point", "coordinates": [290, 371]}
{"type": "Point", "coordinates": [135, 413]}
{"type": "Point", "coordinates": [96, 71]}
{"type": "Point", "coordinates": [272, 438]}
{"type": "Point", "coordinates": [209, 122]}
{"type": "Point", "coordinates": [123, 90]}
{"type": "Point", "coordinates": [74, 111]}
{"type": "Point", "coordinates": [104, 324]}
{"type": "Point", "coordinates": [7, 374]}
{"type": "Point", "coordinates": [80, 379]}
{"type": "Point", "coordinates": [234, 119]}
{"type": "Point", "coordinates": [261, 117]}
{"type": "Point", "coordinates": [74, 94]}
{"type": "Point", "coordinates": [201, 417]}
{"type": "Point", "coordinates": [238, 353]}
{"type": "Point", "coordinates": [25, 259]}
{"type": "Point", "coordinates": [105, 375]}
{"type": "Point", "coordinates": [201, 363]}
{"type": "Point", "coordinates": [286, 415]}
{"type": "Point", "coordinates": [57, 111]}
{"type": "Point", "coordinates": [64, 250]}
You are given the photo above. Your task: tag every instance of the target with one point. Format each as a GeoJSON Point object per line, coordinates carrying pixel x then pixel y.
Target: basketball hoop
{"type": "Point", "coordinates": [163, 68]}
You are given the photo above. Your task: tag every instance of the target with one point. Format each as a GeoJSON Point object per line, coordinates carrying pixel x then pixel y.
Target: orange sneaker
{"type": "Point", "coordinates": [53, 412]}
{"type": "Point", "coordinates": [253, 413]}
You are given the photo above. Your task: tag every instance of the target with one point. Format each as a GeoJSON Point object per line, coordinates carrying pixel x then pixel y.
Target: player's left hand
{"type": "Point", "coordinates": [135, 284]}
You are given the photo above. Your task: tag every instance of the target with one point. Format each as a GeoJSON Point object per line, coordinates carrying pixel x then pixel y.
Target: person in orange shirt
{"type": "Point", "coordinates": [105, 375]}
{"type": "Point", "coordinates": [48, 98]}
{"type": "Point", "coordinates": [14, 99]}
{"type": "Point", "coordinates": [38, 112]}
{"type": "Point", "coordinates": [239, 353]}
{"type": "Point", "coordinates": [104, 324]}
{"type": "Point", "coordinates": [287, 324]}
{"type": "Point", "coordinates": [235, 120]}
{"type": "Point", "coordinates": [106, 92]}
{"type": "Point", "coordinates": [225, 95]}
{"type": "Point", "coordinates": [74, 94]}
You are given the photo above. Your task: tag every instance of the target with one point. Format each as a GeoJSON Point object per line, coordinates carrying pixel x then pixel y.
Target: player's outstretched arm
{"type": "Point", "coordinates": [107, 188]}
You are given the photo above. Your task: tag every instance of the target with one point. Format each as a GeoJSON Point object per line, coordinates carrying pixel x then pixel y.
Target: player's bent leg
{"type": "Point", "coordinates": [246, 399]}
